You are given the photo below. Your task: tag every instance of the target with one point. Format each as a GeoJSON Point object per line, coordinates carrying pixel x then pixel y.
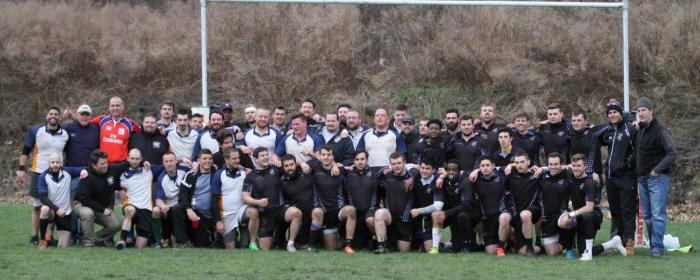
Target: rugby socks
{"type": "Point", "coordinates": [538, 240]}
{"type": "Point", "coordinates": [43, 227]}
{"type": "Point", "coordinates": [157, 229]}
{"type": "Point", "coordinates": [314, 235]}
{"type": "Point", "coordinates": [123, 235]}
{"type": "Point", "coordinates": [437, 235]}
{"type": "Point", "coordinates": [347, 242]}
{"type": "Point", "coordinates": [528, 242]}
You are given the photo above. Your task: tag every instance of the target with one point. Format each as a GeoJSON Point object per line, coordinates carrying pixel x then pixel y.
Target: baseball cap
{"type": "Point", "coordinates": [409, 119]}
{"type": "Point", "coordinates": [84, 109]}
{"type": "Point", "coordinates": [227, 106]}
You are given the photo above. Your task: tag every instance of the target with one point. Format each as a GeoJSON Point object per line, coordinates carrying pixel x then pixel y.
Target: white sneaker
{"type": "Point", "coordinates": [617, 243]}
{"type": "Point", "coordinates": [586, 256]}
{"type": "Point", "coordinates": [291, 248]}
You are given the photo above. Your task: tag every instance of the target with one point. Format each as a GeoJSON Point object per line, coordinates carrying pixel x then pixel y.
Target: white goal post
{"type": "Point", "coordinates": [623, 6]}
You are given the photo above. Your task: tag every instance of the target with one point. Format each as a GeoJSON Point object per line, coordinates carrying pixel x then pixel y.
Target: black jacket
{"type": "Point", "coordinates": [96, 191]}
{"type": "Point", "coordinates": [152, 146]}
{"type": "Point", "coordinates": [620, 141]}
{"type": "Point", "coordinates": [655, 149]}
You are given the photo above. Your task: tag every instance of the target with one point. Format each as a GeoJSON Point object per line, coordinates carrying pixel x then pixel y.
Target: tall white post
{"type": "Point", "coordinates": [203, 30]}
{"type": "Point", "coordinates": [626, 53]}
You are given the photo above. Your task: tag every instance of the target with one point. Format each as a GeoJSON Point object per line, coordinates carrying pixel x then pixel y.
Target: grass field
{"type": "Point", "coordinates": [19, 260]}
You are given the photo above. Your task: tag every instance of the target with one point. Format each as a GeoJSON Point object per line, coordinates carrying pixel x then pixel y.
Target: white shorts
{"type": "Point", "coordinates": [36, 202]}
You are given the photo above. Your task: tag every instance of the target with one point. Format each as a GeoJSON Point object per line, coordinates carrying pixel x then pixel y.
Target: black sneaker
{"type": "Point", "coordinates": [529, 251]}
{"type": "Point", "coordinates": [34, 240]}
{"type": "Point", "coordinates": [381, 250]}
{"type": "Point", "coordinates": [121, 245]}
{"type": "Point", "coordinates": [156, 245]}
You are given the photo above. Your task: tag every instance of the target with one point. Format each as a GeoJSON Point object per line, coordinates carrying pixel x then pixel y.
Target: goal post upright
{"type": "Point", "coordinates": [623, 5]}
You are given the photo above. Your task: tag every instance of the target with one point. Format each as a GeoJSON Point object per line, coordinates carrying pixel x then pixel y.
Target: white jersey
{"type": "Point", "coordinates": [229, 185]}
{"type": "Point", "coordinates": [168, 187]}
{"type": "Point", "coordinates": [137, 184]}
{"type": "Point", "coordinates": [380, 145]}
{"type": "Point", "coordinates": [182, 145]}
{"type": "Point", "coordinates": [58, 189]}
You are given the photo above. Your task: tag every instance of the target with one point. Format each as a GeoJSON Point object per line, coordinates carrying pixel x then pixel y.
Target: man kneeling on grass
{"type": "Point", "coordinates": [137, 201]}
{"type": "Point", "coordinates": [227, 206]}
{"type": "Point", "coordinates": [54, 193]}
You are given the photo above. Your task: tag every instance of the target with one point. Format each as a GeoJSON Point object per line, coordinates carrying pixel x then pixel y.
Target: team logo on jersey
{"type": "Point", "coordinates": [560, 133]}
{"type": "Point", "coordinates": [560, 182]}
{"type": "Point", "coordinates": [585, 132]}
{"type": "Point", "coordinates": [72, 135]}
{"type": "Point", "coordinates": [108, 128]}
{"type": "Point", "coordinates": [336, 140]}
{"type": "Point", "coordinates": [580, 187]}
{"type": "Point", "coordinates": [272, 171]}
{"type": "Point", "coordinates": [121, 131]}
{"type": "Point", "coordinates": [110, 180]}
{"type": "Point", "coordinates": [473, 144]}
{"type": "Point", "coordinates": [156, 144]}
{"type": "Point", "coordinates": [498, 179]}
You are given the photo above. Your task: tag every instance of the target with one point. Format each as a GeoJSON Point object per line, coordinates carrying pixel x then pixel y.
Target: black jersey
{"type": "Point", "coordinates": [554, 194]}
{"type": "Point", "coordinates": [524, 191]}
{"type": "Point", "coordinates": [425, 192]}
{"type": "Point", "coordinates": [583, 190]}
{"type": "Point", "coordinates": [396, 197]}
{"type": "Point", "coordinates": [502, 159]}
{"type": "Point", "coordinates": [360, 187]}
{"type": "Point", "coordinates": [433, 152]}
{"type": "Point", "coordinates": [490, 193]}
{"type": "Point", "coordinates": [582, 143]}
{"type": "Point", "coordinates": [298, 190]}
{"type": "Point", "coordinates": [457, 192]}
{"type": "Point", "coordinates": [467, 152]}
{"type": "Point", "coordinates": [530, 143]}
{"type": "Point", "coordinates": [490, 134]}
{"type": "Point", "coordinates": [556, 138]}
{"type": "Point", "coordinates": [265, 183]}
{"type": "Point", "coordinates": [329, 189]}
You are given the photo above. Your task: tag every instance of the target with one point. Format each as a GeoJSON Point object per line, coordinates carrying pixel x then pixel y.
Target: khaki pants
{"type": "Point", "coordinates": [110, 224]}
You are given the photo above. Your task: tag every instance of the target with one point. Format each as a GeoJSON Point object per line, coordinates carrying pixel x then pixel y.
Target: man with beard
{"type": "Point", "coordinates": [261, 135]}
{"type": "Point", "coordinates": [487, 126]}
{"type": "Point", "coordinates": [432, 147]}
{"type": "Point", "coordinates": [207, 138]}
{"type": "Point", "coordinates": [137, 202]}
{"type": "Point", "coordinates": [166, 195]}
{"type": "Point", "coordinates": [355, 127]}
{"type": "Point", "coordinates": [526, 138]}
{"type": "Point", "coordinates": [150, 141]}
{"type": "Point", "coordinates": [381, 141]}
{"type": "Point", "coordinates": [314, 122]}
{"type": "Point", "coordinates": [554, 193]}
{"type": "Point", "coordinates": [457, 212]}
{"type": "Point", "coordinates": [42, 141]}
{"type": "Point", "coordinates": [227, 112]}
{"type": "Point", "coordinates": [342, 146]}
{"type": "Point", "coordinates": [342, 111]}
{"type": "Point", "coordinates": [298, 194]}
{"type": "Point", "coordinates": [452, 121]}
{"type": "Point", "coordinates": [361, 191]}
{"type": "Point", "coordinates": [183, 138]}
{"type": "Point", "coordinates": [410, 137]}
{"type": "Point", "coordinates": [54, 193]}
{"type": "Point", "coordinates": [115, 131]}
{"type": "Point", "coordinates": [620, 180]}
{"type": "Point", "coordinates": [467, 147]}
{"type": "Point", "coordinates": [197, 123]}
{"type": "Point", "coordinates": [489, 189]}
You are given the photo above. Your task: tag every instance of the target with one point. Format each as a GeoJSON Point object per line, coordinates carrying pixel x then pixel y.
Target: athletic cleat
{"type": "Point", "coordinates": [570, 255]}
{"type": "Point", "coordinates": [253, 247]}
{"type": "Point", "coordinates": [434, 251]}
{"type": "Point", "coordinates": [500, 252]}
{"type": "Point", "coordinates": [381, 250]}
{"type": "Point", "coordinates": [157, 245]}
{"type": "Point", "coordinates": [291, 248]}
{"type": "Point", "coordinates": [586, 256]}
{"type": "Point", "coordinates": [121, 245]}
{"type": "Point", "coordinates": [42, 245]}
{"type": "Point", "coordinates": [348, 250]}
{"type": "Point", "coordinates": [617, 243]}
{"type": "Point", "coordinates": [34, 240]}
{"type": "Point", "coordinates": [630, 248]}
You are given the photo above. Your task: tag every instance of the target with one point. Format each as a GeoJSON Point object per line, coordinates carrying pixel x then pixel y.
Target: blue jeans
{"type": "Point", "coordinates": [653, 194]}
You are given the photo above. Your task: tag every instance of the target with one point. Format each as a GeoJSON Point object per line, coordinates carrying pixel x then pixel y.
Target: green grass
{"type": "Point", "coordinates": [19, 260]}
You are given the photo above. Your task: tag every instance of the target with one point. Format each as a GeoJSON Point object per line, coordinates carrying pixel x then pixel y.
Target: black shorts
{"type": "Point", "coordinates": [330, 219]}
{"type": "Point", "coordinates": [33, 184]}
{"type": "Point", "coordinates": [597, 220]}
{"type": "Point", "coordinates": [400, 230]}
{"type": "Point", "coordinates": [62, 224]}
{"type": "Point", "coordinates": [517, 223]}
{"type": "Point", "coordinates": [268, 220]}
{"type": "Point", "coordinates": [369, 213]}
{"type": "Point", "coordinates": [452, 213]}
{"type": "Point", "coordinates": [423, 227]}
{"type": "Point", "coordinates": [550, 226]}
{"type": "Point", "coordinates": [491, 229]}
{"type": "Point", "coordinates": [141, 221]}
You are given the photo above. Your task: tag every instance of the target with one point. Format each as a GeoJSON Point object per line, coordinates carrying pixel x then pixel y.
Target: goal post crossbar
{"type": "Point", "coordinates": [623, 5]}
